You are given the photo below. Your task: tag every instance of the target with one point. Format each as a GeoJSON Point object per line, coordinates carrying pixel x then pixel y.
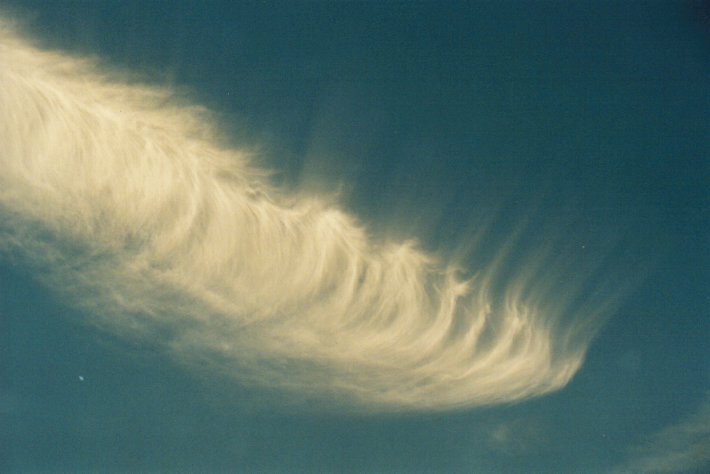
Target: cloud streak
{"type": "Point", "coordinates": [126, 201]}
{"type": "Point", "coordinates": [682, 447]}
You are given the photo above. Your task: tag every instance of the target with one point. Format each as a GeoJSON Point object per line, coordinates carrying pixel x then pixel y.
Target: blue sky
{"type": "Point", "coordinates": [582, 123]}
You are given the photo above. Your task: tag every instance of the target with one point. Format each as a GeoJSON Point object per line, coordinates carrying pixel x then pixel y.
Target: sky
{"type": "Point", "coordinates": [354, 236]}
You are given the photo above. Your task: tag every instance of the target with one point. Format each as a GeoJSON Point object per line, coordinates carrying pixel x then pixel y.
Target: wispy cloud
{"type": "Point", "coordinates": [517, 436]}
{"type": "Point", "coordinates": [128, 203]}
{"type": "Point", "coordinates": [682, 447]}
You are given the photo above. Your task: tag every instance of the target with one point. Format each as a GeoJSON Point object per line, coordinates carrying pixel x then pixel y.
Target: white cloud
{"type": "Point", "coordinates": [129, 204]}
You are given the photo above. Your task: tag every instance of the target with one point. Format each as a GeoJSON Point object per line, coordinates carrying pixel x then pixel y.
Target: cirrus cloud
{"type": "Point", "coordinates": [126, 201]}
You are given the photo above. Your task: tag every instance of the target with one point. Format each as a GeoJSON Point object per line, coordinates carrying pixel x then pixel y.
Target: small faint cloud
{"type": "Point", "coordinates": [517, 436]}
{"type": "Point", "coordinates": [683, 447]}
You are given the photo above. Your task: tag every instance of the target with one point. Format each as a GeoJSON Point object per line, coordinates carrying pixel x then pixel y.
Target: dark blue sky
{"type": "Point", "coordinates": [590, 118]}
